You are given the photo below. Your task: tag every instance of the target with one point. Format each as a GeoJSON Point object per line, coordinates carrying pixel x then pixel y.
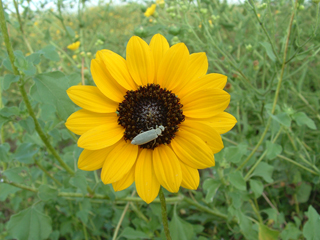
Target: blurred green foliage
{"type": "Point", "coordinates": [265, 184]}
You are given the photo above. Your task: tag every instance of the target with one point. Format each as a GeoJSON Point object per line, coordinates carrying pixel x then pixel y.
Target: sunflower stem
{"type": "Point", "coordinates": [24, 93]}
{"type": "Point", "coordinates": [164, 214]}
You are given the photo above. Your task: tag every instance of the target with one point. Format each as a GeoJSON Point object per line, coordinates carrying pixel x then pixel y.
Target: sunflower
{"type": "Point", "coordinates": [156, 85]}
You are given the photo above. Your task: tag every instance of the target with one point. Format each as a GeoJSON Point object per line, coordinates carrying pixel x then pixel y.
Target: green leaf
{"type": "Point", "coordinates": [237, 181]}
{"type": "Point", "coordinates": [8, 79]}
{"type": "Point", "coordinates": [23, 64]}
{"type": "Point", "coordinates": [266, 233]}
{"type": "Point", "coordinates": [6, 189]}
{"type": "Point", "coordinates": [50, 53]}
{"type": "Point", "coordinates": [303, 192]}
{"type": "Point", "coordinates": [29, 224]}
{"type": "Point", "coordinates": [28, 124]}
{"type": "Point", "coordinates": [256, 187]}
{"type": "Point", "coordinates": [25, 152]}
{"type": "Point", "coordinates": [283, 118]}
{"type": "Point", "coordinates": [46, 193]}
{"type": "Point", "coordinates": [311, 227]}
{"type": "Point", "coordinates": [234, 154]}
{"type": "Point", "coordinates": [302, 119]}
{"type": "Point", "coordinates": [291, 232]}
{"type": "Point", "coordinates": [273, 150]}
{"type": "Point", "coordinates": [80, 182]}
{"type": "Point", "coordinates": [4, 150]}
{"type": "Point", "coordinates": [267, 46]}
{"type": "Point", "coordinates": [180, 229]}
{"type": "Point", "coordinates": [13, 174]}
{"type": "Point", "coordinates": [130, 233]}
{"type": "Point", "coordinates": [211, 186]}
{"type": "Point", "coordinates": [50, 88]}
{"type": "Point", "coordinates": [265, 171]}
{"type": "Point", "coordinates": [9, 111]}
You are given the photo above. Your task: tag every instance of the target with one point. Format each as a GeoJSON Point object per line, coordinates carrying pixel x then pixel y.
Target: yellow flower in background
{"type": "Point", "coordinates": [150, 10]}
{"type": "Point", "coordinates": [162, 95]}
{"type": "Point", "coordinates": [74, 46]}
{"type": "Point", "coordinates": [161, 3]}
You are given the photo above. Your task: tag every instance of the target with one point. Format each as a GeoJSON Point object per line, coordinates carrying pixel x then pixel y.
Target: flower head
{"type": "Point", "coordinates": [150, 10]}
{"type": "Point", "coordinates": [74, 46]}
{"type": "Point", "coordinates": [156, 85]}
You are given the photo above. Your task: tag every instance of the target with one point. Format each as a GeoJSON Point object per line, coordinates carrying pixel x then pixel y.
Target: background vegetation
{"type": "Point", "coordinates": [265, 184]}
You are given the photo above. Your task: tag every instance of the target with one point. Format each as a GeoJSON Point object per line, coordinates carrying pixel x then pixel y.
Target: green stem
{"type": "Point", "coordinates": [298, 164]}
{"type": "Point", "coordinates": [24, 94]}
{"type": "Point", "coordinates": [47, 173]}
{"type": "Point", "coordinates": [276, 94]}
{"type": "Point", "coordinates": [264, 29]}
{"type": "Point", "coordinates": [164, 214]}
{"type": "Point", "coordinates": [205, 209]}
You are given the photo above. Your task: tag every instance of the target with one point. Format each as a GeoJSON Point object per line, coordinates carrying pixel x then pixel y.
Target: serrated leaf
{"type": "Point", "coordinates": [28, 124]}
{"type": "Point", "coordinates": [50, 88]}
{"type": "Point", "coordinates": [13, 174]}
{"type": "Point", "coordinates": [23, 64]}
{"type": "Point", "coordinates": [80, 182]}
{"type": "Point", "coordinates": [265, 171]}
{"type": "Point", "coordinates": [211, 186]}
{"type": "Point", "coordinates": [256, 187]}
{"type": "Point", "coordinates": [234, 154]}
{"type": "Point", "coordinates": [180, 229]}
{"type": "Point", "coordinates": [4, 150]}
{"type": "Point", "coordinates": [303, 192]}
{"type": "Point", "coordinates": [302, 119]}
{"type": "Point", "coordinates": [6, 189]}
{"type": "Point", "coordinates": [9, 111]}
{"type": "Point", "coordinates": [266, 233]}
{"type": "Point", "coordinates": [273, 149]}
{"type": "Point", "coordinates": [46, 193]}
{"type": "Point", "coordinates": [25, 152]}
{"type": "Point", "coordinates": [236, 179]}
{"type": "Point", "coordinates": [50, 53]}
{"type": "Point", "coordinates": [283, 118]}
{"type": "Point", "coordinates": [311, 227]}
{"type": "Point", "coordinates": [267, 46]}
{"type": "Point", "coordinates": [30, 224]}
{"type": "Point", "coordinates": [8, 79]}
{"type": "Point", "coordinates": [291, 232]}
{"type": "Point", "coordinates": [131, 233]}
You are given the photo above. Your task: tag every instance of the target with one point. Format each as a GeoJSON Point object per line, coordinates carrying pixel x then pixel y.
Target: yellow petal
{"type": "Point", "coordinates": [173, 67]}
{"type": "Point", "coordinates": [205, 103]}
{"type": "Point", "coordinates": [197, 68]}
{"type": "Point", "coordinates": [90, 160]}
{"type": "Point", "coordinates": [222, 122]}
{"type": "Point", "coordinates": [101, 137]}
{"type": "Point", "coordinates": [105, 82]}
{"type": "Point", "coordinates": [140, 61]}
{"type": "Point", "coordinates": [90, 98]}
{"type": "Point", "coordinates": [117, 67]}
{"type": "Point", "coordinates": [146, 181]}
{"type": "Point", "coordinates": [192, 150]}
{"type": "Point", "coordinates": [120, 160]}
{"type": "Point", "coordinates": [84, 120]}
{"type": "Point", "coordinates": [190, 177]}
{"type": "Point", "coordinates": [212, 80]}
{"type": "Point", "coordinates": [207, 133]}
{"type": "Point", "coordinates": [159, 46]}
{"type": "Point", "coordinates": [125, 181]}
{"type": "Point", "coordinates": [167, 168]}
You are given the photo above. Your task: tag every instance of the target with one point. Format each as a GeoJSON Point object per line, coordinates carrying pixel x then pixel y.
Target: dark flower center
{"type": "Point", "coordinates": [148, 107]}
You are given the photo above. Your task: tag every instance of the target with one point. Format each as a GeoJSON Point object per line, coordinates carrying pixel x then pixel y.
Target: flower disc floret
{"type": "Point", "coordinates": [148, 107]}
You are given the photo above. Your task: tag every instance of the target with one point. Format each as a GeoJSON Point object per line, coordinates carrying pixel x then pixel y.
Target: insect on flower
{"type": "Point", "coordinates": [147, 136]}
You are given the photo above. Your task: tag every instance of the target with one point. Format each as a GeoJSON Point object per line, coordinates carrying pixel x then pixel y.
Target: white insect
{"type": "Point", "coordinates": [147, 136]}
